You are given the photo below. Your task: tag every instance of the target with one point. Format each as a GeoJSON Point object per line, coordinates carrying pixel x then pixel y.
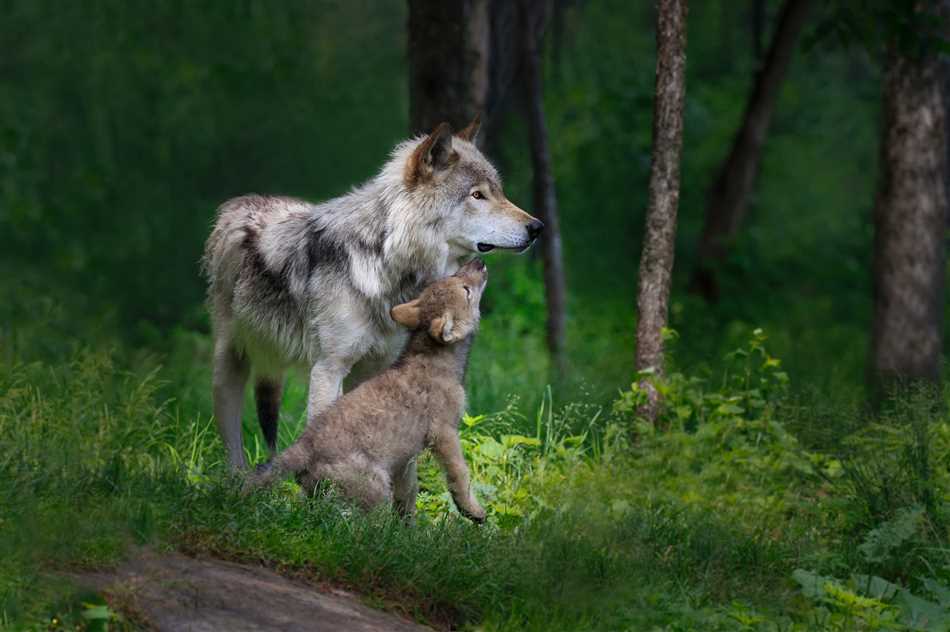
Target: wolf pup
{"type": "Point", "coordinates": [297, 283]}
{"type": "Point", "coordinates": [366, 440]}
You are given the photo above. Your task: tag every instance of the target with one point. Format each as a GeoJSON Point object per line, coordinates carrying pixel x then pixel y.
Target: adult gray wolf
{"type": "Point", "coordinates": [292, 282]}
{"type": "Point", "coordinates": [367, 439]}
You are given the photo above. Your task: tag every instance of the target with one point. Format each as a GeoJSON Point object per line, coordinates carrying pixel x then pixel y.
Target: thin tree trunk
{"type": "Point", "coordinates": [534, 17]}
{"type": "Point", "coordinates": [449, 43]}
{"type": "Point", "coordinates": [729, 196]}
{"type": "Point", "coordinates": [910, 226]}
{"type": "Point", "coordinates": [656, 261]}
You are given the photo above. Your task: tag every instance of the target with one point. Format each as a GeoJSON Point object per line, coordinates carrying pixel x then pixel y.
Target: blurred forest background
{"type": "Point", "coordinates": [124, 128]}
{"type": "Point", "coordinates": [771, 495]}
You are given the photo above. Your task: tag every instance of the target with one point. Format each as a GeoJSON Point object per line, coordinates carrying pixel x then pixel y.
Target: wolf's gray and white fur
{"type": "Point", "coordinates": [292, 282]}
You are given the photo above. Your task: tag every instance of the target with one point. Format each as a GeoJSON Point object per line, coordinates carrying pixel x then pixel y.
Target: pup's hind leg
{"type": "Point", "coordinates": [230, 377]}
{"type": "Point", "coordinates": [368, 488]}
{"type": "Point", "coordinates": [405, 490]}
{"type": "Point", "coordinates": [267, 394]}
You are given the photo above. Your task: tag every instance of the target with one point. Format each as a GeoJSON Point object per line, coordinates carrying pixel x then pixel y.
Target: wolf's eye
{"type": "Point", "coordinates": [468, 291]}
{"type": "Point", "coordinates": [478, 195]}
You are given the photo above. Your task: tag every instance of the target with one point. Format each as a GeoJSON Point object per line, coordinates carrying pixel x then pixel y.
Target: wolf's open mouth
{"type": "Point", "coordinates": [485, 247]}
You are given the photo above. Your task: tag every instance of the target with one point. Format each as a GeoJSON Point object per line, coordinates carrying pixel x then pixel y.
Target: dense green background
{"type": "Point", "coordinates": [124, 125]}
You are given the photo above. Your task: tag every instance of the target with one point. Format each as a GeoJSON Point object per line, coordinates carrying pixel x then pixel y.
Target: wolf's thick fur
{"type": "Point", "coordinates": [297, 283]}
{"type": "Point", "coordinates": [367, 440]}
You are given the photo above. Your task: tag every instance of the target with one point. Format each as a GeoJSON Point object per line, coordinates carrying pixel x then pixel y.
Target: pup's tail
{"type": "Point", "coordinates": [290, 461]}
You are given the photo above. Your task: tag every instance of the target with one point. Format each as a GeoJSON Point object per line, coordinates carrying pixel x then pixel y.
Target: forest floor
{"type": "Point", "coordinates": [175, 593]}
{"type": "Point", "coordinates": [746, 508]}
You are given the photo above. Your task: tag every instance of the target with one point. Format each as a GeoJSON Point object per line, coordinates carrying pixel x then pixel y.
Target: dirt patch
{"type": "Point", "coordinates": [171, 592]}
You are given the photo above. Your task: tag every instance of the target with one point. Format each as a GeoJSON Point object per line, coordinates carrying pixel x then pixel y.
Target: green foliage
{"type": "Point", "coordinates": [699, 524]}
{"type": "Point", "coordinates": [884, 543]}
{"type": "Point", "coordinates": [916, 29]}
{"type": "Point", "coordinates": [871, 603]}
{"type": "Point", "coordinates": [510, 469]}
{"type": "Point", "coordinates": [729, 437]}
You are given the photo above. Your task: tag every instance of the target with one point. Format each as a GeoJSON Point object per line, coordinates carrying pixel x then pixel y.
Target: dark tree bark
{"type": "Point", "coordinates": [910, 217]}
{"type": "Point", "coordinates": [656, 260]}
{"type": "Point", "coordinates": [449, 44]}
{"type": "Point", "coordinates": [758, 29]}
{"type": "Point", "coordinates": [534, 15]}
{"type": "Point", "coordinates": [728, 198]}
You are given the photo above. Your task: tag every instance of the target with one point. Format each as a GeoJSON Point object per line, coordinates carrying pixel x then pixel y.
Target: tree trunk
{"type": "Point", "coordinates": [729, 196]}
{"type": "Point", "coordinates": [910, 226]}
{"type": "Point", "coordinates": [656, 261]}
{"type": "Point", "coordinates": [758, 29]}
{"type": "Point", "coordinates": [534, 16]}
{"type": "Point", "coordinates": [449, 44]}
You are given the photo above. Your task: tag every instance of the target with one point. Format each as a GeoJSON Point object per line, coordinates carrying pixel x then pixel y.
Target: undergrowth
{"type": "Point", "coordinates": [717, 518]}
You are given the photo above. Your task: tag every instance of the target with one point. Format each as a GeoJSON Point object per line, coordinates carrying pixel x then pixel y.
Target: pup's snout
{"type": "Point", "coordinates": [534, 229]}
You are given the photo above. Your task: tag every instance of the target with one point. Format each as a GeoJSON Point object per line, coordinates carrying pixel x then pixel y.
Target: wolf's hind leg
{"type": "Point", "coordinates": [405, 490]}
{"type": "Point", "coordinates": [230, 377]}
{"type": "Point", "coordinates": [267, 394]}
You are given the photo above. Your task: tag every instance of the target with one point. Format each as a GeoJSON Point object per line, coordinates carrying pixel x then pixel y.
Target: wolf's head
{"type": "Point", "coordinates": [448, 308]}
{"type": "Point", "coordinates": [462, 190]}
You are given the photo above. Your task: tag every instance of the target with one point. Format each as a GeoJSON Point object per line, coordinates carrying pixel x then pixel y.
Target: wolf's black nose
{"type": "Point", "coordinates": [535, 228]}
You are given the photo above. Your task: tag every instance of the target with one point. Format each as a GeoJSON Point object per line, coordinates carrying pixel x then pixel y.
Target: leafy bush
{"type": "Point", "coordinates": [728, 439]}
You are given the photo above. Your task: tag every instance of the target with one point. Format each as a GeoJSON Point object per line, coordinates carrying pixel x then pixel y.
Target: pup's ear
{"type": "Point", "coordinates": [443, 328]}
{"type": "Point", "coordinates": [470, 133]}
{"type": "Point", "coordinates": [406, 314]}
{"type": "Point", "coordinates": [433, 154]}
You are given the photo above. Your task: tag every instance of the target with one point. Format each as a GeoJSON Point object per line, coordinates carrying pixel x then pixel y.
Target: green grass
{"type": "Point", "coordinates": [596, 521]}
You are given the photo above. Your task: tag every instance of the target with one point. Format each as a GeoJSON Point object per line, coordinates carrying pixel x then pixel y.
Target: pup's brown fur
{"type": "Point", "coordinates": [366, 440]}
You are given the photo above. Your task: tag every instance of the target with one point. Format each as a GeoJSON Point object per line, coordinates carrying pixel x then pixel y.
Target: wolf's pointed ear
{"type": "Point", "coordinates": [433, 154]}
{"type": "Point", "coordinates": [406, 314]}
{"type": "Point", "coordinates": [437, 148]}
{"type": "Point", "coordinates": [470, 133]}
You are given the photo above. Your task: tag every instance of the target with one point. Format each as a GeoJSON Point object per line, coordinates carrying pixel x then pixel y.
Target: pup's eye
{"type": "Point", "coordinates": [468, 291]}
{"type": "Point", "coordinates": [478, 195]}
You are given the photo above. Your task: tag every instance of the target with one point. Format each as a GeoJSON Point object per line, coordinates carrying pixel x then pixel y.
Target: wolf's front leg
{"type": "Point", "coordinates": [448, 450]}
{"type": "Point", "coordinates": [326, 385]}
{"type": "Point", "coordinates": [230, 377]}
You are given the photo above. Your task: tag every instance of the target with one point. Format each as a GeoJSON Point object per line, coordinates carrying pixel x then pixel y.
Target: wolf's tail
{"type": "Point", "coordinates": [290, 461]}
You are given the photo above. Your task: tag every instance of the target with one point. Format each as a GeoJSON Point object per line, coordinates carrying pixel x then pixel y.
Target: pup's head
{"type": "Point", "coordinates": [462, 187]}
{"type": "Point", "coordinates": [448, 308]}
